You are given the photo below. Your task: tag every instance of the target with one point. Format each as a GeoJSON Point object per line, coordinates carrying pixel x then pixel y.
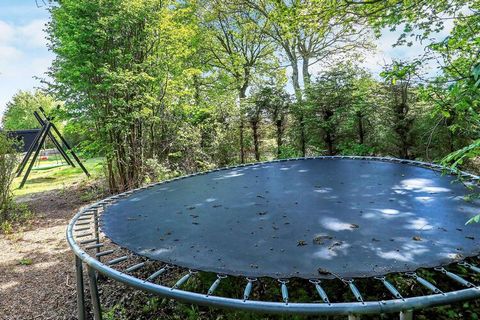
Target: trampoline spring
{"type": "Point", "coordinates": [284, 290]}
{"type": "Point", "coordinates": [183, 280]}
{"type": "Point", "coordinates": [84, 218]}
{"type": "Point", "coordinates": [158, 273]}
{"type": "Point", "coordinates": [94, 246]}
{"type": "Point", "coordinates": [321, 292]}
{"type": "Point", "coordinates": [354, 290]}
{"type": "Point", "coordinates": [135, 267]}
{"type": "Point", "coordinates": [390, 288]}
{"type": "Point", "coordinates": [454, 277]}
{"type": "Point", "coordinates": [88, 241]}
{"type": "Point", "coordinates": [82, 229]}
{"type": "Point", "coordinates": [470, 266]}
{"type": "Point", "coordinates": [215, 284]}
{"type": "Point", "coordinates": [117, 260]}
{"type": "Point", "coordinates": [248, 288]}
{"type": "Point", "coordinates": [425, 283]}
{"type": "Point", "coordinates": [104, 253]}
{"type": "Point", "coordinates": [83, 235]}
{"type": "Point", "coordinates": [82, 224]}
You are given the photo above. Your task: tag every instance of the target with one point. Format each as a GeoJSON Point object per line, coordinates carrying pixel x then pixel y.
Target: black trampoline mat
{"type": "Point", "coordinates": [307, 218]}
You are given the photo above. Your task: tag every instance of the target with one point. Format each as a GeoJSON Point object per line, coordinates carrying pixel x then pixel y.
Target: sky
{"type": "Point", "coordinates": [24, 55]}
{"type": "Point", "coordinates": [23, 50]}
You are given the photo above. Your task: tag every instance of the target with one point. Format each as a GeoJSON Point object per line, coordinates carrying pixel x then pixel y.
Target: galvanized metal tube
{"type": "Point", "coordinates": [83, 235]}
{"type": "Point", "coordinates": [182, 280]}
{"type": "Point", "coordinates": [117, 260]}
{"type": "Point", "coordinates": [425, 283]}
{"type": "Point", "coordinates": [88, 241]}
{"type": "Point", "coordinates": [135, 267]}
{"type": "Point", "coordinates": [93, 246]}
{"type": "Point", "coordinates": [455, 277]}
{"type": "Point", "coordinates": [390, 287]}
{"type": "Point", "coordinates": [215, 284]}
{"type": "Point", "coordinates": [248, 289]}
{"type": "Point", "coordinates": [80, 289]}
{"type": "Point", "coordinates": [354, 290]}
{"type": "Point", "coordinates": [284, 290]}
{"type": "Point", "coordinates": [95, 227]}
{"type": "Point", "coordinates": [470, 266]}
{"type": "Point", "coordinates": [157, 273]}
{"type": "Point", "coordinates": [97, 309]}
{"type": "Point", "coordinates": [104, 253]}
{"type": "Point", "coordinates": [323, 295]}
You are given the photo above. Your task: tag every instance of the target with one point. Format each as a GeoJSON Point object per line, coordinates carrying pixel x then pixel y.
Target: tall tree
{"type": "Point", "coordinates": [309, 32]}
{"type": "Point", "coordinates": [113, 61]}
{"type": "Point", "coordinates": [276, 104]}
{"type": "Point", "coordinates": [238, 47]}
{"type": "Point", "coordinates": [19, 112]}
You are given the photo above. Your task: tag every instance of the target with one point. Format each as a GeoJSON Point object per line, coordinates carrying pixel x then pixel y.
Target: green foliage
{"type": "Point", "coordinates": [8, 163]}
{"type": "Point", "coordinates": [357, 149]}
{"type": "Point", "coordinates": [19, 112]}
{"type": "Point", "coordinates": [25, 262]}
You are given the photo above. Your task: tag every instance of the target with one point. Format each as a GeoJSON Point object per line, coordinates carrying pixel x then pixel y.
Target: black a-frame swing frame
{"type": "Point", "coordinates": [39, 140]}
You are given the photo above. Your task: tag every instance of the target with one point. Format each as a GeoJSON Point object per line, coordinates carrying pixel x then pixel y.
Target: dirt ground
{"type": "Point", "coordinates": [37, 279]}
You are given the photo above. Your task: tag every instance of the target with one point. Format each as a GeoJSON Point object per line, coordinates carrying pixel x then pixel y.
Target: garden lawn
{"type": "Point", "coordinates": [51, 175]}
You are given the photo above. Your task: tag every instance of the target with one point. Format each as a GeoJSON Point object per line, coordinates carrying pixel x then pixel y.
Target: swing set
{"type": "Point", "coordinates": [39, 142]}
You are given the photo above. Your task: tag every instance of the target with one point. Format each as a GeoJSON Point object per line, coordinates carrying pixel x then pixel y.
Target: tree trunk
{"type": "Point", "coordinates": [306, 74]}
{"type": "Point", "coordinates": [242, 93]}
{"type": "Point", "coordinates": [361, 130]}
{"type": "Point", "coordinates": [256, 140]}
{"type": "Point", "coordinates": [279, 124]}
{"type": "Point", "coordinates": [329, 143]}
{"type": "Point", "coordinates": [328, 136]}
{"type": "Point", "coordinates": [242, 144]}
{"type": "Point", "coordinates": [298, 96]}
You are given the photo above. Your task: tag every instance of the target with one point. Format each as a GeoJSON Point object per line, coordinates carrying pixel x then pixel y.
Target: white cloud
{"type": "Point", "coordinates": [8, 54]}
{"type": "Point", "coordinates": [6, 32]}
{"type": "Point", "coordinates": [33, 33]}
{"type": "Point", "coordinates": [23, 56]}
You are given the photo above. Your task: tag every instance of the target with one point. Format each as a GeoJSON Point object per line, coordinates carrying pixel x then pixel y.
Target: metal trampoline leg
{"type": "Point", "coordinates": [353, 317]}
{"type": "Point", "coordinates": [80, 289]}
{"type": "Point", "coordinates": [406, 315]}
{"type": "Point", "coordinates": [97, 309]}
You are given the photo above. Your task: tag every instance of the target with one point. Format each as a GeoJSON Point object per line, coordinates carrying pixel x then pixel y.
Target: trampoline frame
{"type": "Point", "coordinates": [87, 220]}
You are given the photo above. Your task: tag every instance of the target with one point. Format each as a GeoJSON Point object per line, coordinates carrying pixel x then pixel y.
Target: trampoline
{"type": "Point", "coordinates": [310, 219]}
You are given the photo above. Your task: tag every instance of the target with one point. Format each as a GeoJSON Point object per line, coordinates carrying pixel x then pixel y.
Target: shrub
{"type": "Point", "coordinates": [8, 163]}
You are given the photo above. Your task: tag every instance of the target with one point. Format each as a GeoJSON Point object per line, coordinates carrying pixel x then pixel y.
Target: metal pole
{"type": "Point", "coordinates": [80, 289]}
{"type": "Point", "coordinates": [406, 315]}
{"type": "Point", "coordinates": [97, 233]}
{"type": "Point", "coordinates": [74, 155]}
{"type": "Point", "coordinates": [42, 140]}
{"type": "Point", "coordinates": [54, 140]}
{"type": "Point", "coordinates": [29, 152]}
{"type": "Point", "coordinates": [97, 309]}
{"type": "Point", "coordinates": [66, 144]}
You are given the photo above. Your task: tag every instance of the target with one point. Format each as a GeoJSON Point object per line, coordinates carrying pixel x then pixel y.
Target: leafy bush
{"type": "Point", "coordinates": [9, 210]}
{"type": "Point", "coordinates": [352, 148]}
{"type": "Point", "coordinates": [8, 162]}
{"type": "Point", "coordinates": [155, 171]}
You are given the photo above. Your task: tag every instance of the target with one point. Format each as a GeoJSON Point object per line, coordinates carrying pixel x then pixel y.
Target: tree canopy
{"type": "Point", "coordinates": [191, 85]}
{"type": "Point", "coordinates": [19, 112]}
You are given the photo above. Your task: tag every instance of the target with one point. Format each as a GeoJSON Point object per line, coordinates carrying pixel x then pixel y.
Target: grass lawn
{"type": "Point", "coordinates": [51, 174]}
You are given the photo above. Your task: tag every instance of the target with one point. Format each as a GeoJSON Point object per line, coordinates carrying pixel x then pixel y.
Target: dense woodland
{"type": "Point", "coordinates": [162, 86]}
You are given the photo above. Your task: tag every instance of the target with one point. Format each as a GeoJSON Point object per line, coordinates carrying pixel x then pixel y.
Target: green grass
{"type": "Point", "coordinates": [50, 175]}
